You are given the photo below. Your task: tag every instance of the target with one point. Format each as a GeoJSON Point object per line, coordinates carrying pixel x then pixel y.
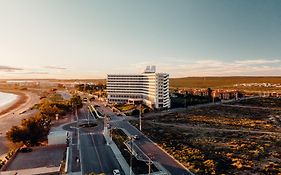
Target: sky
{"type": "Point", "coordinates": [68, 39]}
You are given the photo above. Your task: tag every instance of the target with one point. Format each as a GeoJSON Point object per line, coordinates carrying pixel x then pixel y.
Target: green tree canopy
{"type": "Point", "coordinates": [75, 102]}
{"type": "Point", "coordinates": [31, 131]}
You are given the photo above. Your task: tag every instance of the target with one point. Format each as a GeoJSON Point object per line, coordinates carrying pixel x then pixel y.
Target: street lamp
{"type": "Point", "coordinates": [149, 166]}
{"type": "Point", "coordinates": [140, 117]}
{"type": "Point", "coordinates": [131, 154]}
{"type": "Point", "coordinates": [88, 114]}
{"type": "Point", "coordinates": [150, 162]}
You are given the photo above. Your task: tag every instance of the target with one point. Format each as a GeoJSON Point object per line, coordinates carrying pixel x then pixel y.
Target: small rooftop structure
{"type": "Point", "coordinates": [57, 137]}
{"type": "Point", "coordinates": [150, 69]}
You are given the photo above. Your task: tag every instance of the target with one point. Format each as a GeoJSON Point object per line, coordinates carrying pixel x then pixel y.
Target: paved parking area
{"type": "Point", "coordinates": [47, 156]}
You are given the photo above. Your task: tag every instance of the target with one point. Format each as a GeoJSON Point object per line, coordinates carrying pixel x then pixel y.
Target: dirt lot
{"type": "Point", "coordinates": [222, 139]}
{"type": "Point", "coordinates": [229, 117]}
{"type": "Point", "coordinates": [268, 102]}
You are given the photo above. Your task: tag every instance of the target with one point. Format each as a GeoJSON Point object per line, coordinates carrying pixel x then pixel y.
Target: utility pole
{"type": "Point", "coordinates": [150, 162]}
{"type": "Point", "coordinates": [213, 95]}
{"type": "Point", "coordinates": [88, 113]}
{"type": "Point", "coordinates": [140, 117]}
{"type": "Point", "coordinates": [77, 128]}
{"type": "Point", "coordinates": [131, 155]}
{"type": "Point", "coordinates": [149, 166]}
{"type": "Point", "coordinates": [186, 99]}
{"type": "Point", "coordinates": [105, 125]}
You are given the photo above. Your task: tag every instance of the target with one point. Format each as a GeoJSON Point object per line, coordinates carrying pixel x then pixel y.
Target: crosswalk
{"type": "Point", "coordinates": [90, 133]}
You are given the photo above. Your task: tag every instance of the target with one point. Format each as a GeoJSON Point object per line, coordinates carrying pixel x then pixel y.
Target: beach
{"type": "Point", "coordinates": [13, 112]}
{"type": "Point", "coordinates": [7, 99]}
{"type": "Point", "coordinates": [11, 100]}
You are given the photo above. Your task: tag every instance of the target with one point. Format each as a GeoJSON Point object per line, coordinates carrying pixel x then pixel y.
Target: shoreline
{"type": "Point", "coordinates": [21, 99]}
{"type": "Point", "coordinates": [14, 114]}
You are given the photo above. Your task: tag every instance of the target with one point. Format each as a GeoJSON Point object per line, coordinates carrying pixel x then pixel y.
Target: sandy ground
{"type": "Point", "coordinates": [13, 116]}
{"type": "Point", "coordinates": [21, 99]}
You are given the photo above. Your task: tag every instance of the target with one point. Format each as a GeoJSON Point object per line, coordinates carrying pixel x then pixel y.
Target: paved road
{"type": "Point", "coordinates": [146, 145]}
{"type": "Point", "coordinates": [96, 156]}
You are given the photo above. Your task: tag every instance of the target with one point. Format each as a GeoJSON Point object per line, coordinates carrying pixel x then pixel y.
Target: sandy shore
{"type": "Point", "coordinates": [13, 115]}
{"type": "Point", "coordinates": [21, 99]}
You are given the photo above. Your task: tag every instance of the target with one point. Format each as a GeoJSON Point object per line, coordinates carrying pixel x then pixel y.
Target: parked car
{"type": "Point", "coordinates": [116, 172]}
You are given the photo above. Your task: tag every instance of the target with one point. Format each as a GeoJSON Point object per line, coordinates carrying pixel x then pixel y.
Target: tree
{"type": "Point", "coordinates": [135, 112]}
{"type": "Point", "coordinates": [75, 102]}
{"type": "Point", "coordinates": [16, 134]}
{"type": "Point", "coordinates": [48, 109]}
{"type": "Point", "coordinates": [31, 131]}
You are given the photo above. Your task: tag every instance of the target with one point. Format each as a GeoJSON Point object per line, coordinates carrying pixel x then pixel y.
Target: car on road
{"type": "Point", "coordinates": [116, 172]}
{"type": "Point", "coordinates": [136, 137]}
{"type": "Point", "coordinates": [25, 150]}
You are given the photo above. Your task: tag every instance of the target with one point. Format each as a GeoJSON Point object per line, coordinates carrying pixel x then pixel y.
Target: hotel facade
{"type": "Point", "coordinates": [149, 88]}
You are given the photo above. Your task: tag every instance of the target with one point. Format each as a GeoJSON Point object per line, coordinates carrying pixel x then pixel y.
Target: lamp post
{"type": "Point", "coordinates": [131, 155]}
{"type": "Point", "coordinates": [88, 114]}
{"type": "Point", "coordinates": [140, 117]}
{"type": "Point", "coordinates": [185, 99]}
{"type": "Point", "coordinates": [149, 166]}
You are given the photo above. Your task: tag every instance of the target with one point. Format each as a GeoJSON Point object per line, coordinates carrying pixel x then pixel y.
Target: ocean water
{"type": "Point", "coordinates": [6, 98]}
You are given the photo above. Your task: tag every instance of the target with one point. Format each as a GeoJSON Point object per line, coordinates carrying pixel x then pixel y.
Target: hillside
{"type": "Point", "coordinates": [218, 82]}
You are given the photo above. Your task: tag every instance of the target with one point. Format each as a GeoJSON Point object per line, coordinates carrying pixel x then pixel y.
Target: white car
{"type": "Point", "coordinates": [116, 172]}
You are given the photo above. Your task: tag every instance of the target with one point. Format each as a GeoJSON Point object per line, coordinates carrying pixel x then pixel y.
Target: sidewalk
{"type": "Point", "coordinates": [73, 165]}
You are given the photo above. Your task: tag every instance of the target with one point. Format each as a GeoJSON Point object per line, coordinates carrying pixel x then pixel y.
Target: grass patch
{"type": "Point", "coordinates": [125, 107]}
{"type": "Point", "coordinates": [88, 125]}
{"type": "Point", "coordinates": [217, 82]}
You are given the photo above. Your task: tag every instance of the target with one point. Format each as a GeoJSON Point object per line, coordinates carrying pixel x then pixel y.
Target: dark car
{"type": "Point", "coordinates": [25, 150]}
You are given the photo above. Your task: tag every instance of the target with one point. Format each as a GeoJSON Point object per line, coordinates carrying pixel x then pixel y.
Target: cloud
{"type": "Point", "coordinates": [31, 73]}
{"type": "Point", "coordinates": [36, 73]}
{"type": "Point", "coordinates": [257, 61]}
{"type": "Point", "coordinates": [55, 67]}
{"type": "Point", "coordinates": [9, 69]}
{"type": "Point", "coordinates": [212, 67]}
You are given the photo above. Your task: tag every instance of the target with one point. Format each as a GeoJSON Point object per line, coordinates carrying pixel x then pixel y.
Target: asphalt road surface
{"type": "Point", "coordinates": [96, 156]}
{"type": "Point", "coordinates": [145, 144]}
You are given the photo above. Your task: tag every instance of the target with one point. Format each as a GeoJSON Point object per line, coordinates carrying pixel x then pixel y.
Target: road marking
{"type": "Point", "coordinates": [88, 133]}
{"type": "Point", "coordinates": [98, 157]}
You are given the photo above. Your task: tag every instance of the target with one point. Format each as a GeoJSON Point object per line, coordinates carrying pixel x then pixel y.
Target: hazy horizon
{"type": "Point", "coordinates": [86, 39]}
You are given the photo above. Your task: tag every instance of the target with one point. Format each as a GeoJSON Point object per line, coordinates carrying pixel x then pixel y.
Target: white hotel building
{"type": "Point", "coordinates": [149, 88]}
